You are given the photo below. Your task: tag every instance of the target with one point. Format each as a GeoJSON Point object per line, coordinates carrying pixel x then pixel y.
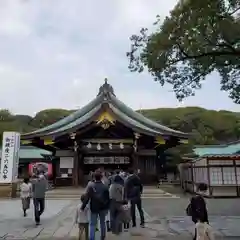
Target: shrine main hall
{"type": "Point", "coordinates": [104, 133]}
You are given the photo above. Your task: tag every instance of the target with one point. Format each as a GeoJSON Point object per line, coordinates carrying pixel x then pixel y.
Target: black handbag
{"type": "Point", "coordinates": [189, 210]}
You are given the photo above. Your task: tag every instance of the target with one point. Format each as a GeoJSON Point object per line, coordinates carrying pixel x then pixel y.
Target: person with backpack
{"type": "Point", "coordinates": [105, 179]}
{"type": "Point", "coordinates": [98, 196]}
{"type": "Point", "coordinates": [197, 208]}
{"type": "Point", "coordinates": [116, 191]}
{"type": "Point", "coordinates": [90, 181]}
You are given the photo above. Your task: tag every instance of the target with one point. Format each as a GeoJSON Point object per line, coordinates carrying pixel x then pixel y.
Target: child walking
{"type": "Point", "coordinates": [82, 219]}
{"type": "Point", "coordinates": [204, 231]}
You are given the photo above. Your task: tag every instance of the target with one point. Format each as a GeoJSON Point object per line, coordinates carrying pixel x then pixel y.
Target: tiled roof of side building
{"type": "Point", "coordinates": [29, 152]}
{"type": "Point", "coordinates": [221, 149]}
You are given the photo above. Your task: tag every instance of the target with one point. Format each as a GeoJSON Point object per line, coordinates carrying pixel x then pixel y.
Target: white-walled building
{"type": "Point", "coordinates": [217, 166]}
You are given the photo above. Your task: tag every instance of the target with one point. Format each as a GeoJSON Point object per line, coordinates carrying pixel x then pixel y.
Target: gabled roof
{"type": "Point", "coordinates": [106, 99]}
{"type": "Point", "coordinates": [221, 149]}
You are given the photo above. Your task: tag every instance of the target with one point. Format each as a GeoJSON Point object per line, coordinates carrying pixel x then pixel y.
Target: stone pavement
{"type": "Point", "coordinates": [58, 223]}
{"type": "Point", "coordinates": [149, 192]}
{"type": "Point", "coordinates": [225, 227]}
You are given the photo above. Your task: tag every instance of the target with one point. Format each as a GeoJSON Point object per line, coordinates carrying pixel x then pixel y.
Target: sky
{"type": "Point", "coordinates": [56, 54]}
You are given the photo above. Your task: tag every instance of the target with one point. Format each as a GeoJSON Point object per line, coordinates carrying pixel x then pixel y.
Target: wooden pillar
{"type": "Point", "coordinates": [80, 169]}
{"type": "Point", "coordinates": [236, 177]}
{"type": "Point", "coordinates": [75, 160]}
{"type": "Point", "coordinates": [192, 178]}
{"type": "Point", "coordinates": [134, 154]}
{"type": "Point", "coordinates": [210, 189]}
{"type": "Point", "coordinates": [161, 162]}
{"type": "Point", "coordinates": [157, 163]}
{"type": "Point", "coordinates": [135, 161]}
{"type": "Point", "coordinates": [75, 165]}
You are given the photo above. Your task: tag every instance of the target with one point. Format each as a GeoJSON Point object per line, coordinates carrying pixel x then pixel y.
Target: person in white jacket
{"type": "Point", "coordinates": [82, 219]}
{"type": "Point", "coordinates": [25, 195]}
{"type": "Point", "coordinates": [204, 231]}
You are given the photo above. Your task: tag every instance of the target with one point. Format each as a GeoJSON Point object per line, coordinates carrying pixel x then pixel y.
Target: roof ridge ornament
{"type": "Point", "coordinates": [106, 89]}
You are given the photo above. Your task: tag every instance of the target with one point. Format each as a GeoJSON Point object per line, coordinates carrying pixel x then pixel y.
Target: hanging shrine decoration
{"type": "Point", "coordinates": [121, 145]}
{"type": "Point", "coordinates": [89, 145]}
{"type": "Point", "coordinates": [136, 137]}
{"type": "Point", "coordinates": [73, 136]}
{"type": "Point", "coordinates": [99, 147]}
{"type": "Point", "coordinates": [75, 144]}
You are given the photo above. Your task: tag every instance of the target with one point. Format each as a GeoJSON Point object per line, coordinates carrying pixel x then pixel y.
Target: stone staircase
{"type": "Point", "coordinates": [75, 193]}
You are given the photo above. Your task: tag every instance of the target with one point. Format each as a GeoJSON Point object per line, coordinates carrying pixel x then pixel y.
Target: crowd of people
{"type": "Point", "coordinates": [111, 198]}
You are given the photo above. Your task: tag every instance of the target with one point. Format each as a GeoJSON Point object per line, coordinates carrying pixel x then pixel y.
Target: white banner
{"type": "Point", "coordinates": [10, 157]}
{"type": "Point", "coordinates": [16, 156]}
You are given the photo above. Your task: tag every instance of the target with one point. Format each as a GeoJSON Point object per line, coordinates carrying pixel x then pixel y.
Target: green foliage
{"type": "Point", "coordinates": [199, 37]}
{"type": "Point", "coordinates": [49, 116]}
{"type": "Point", "coordinates": [207, 126]}
{"type": "Point", "coordinates": [5, 115]}
{"type": "Point", "coordinates": [25, 123]}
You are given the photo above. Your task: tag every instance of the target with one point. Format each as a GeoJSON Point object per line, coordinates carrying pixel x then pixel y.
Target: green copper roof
{"type": "Point", "coordinates": [77, 123]}
{"type": "Point", "coordinates": [105, 99]}
{"type": "Point", "coordinates": [137, 126]}
{"type": "Point", "coordinates": [142, 119]}
{"type": "Point", "coordinates": [29, 152]}
{"type": "Point", "coordinates": [221, 149]}
{"type": "Point", "coordinates": [67, 120]}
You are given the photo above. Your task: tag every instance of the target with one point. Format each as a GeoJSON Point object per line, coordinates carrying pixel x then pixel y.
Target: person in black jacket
{"type": "Point", "coordinates": [198, 207]}
{"type": "Point", "coordinates": [133, 191]}
{"type": "Point", "coordinates": [98, 196]}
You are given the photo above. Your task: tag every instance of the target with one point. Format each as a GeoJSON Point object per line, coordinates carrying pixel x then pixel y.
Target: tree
{"type": "Point", "coordinates": [207, 126]}
{"type": "Point", "coordinates": [199, 37]}
{"type": "Point", "coordinates": [5, 115]}
{"type": "Point", "coordinates": [49, 116]}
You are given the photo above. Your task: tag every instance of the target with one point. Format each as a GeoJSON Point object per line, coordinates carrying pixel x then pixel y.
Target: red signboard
{"type": "Point", "coordinates": [37, 167]}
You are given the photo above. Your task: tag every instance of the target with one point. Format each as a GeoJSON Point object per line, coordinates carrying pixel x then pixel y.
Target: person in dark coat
{"type": "Point", "coordinates": [198, 207]}
{"type": "Point", "coordinates": [98, 196]}
{"type": "Point", "coordinates": [39, 188]}
{"type": "Point", "coordinates": [133, 191]}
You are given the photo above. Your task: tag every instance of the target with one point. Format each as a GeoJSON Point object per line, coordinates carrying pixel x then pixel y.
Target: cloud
{"type": "Point", "coordinates": [12, 21]}
{"type": "Point", "coordinates": [54, 54]}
